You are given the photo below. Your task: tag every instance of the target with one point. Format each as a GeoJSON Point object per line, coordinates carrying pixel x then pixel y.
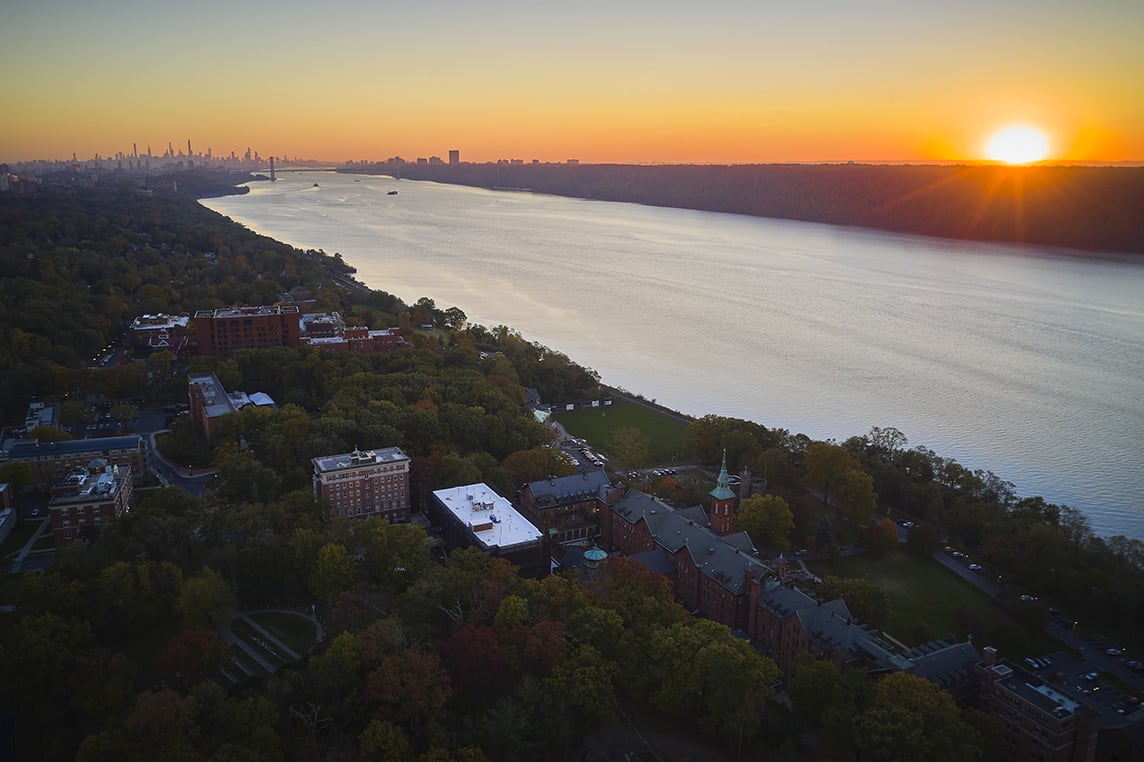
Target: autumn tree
{"type": "Point", "coordinates": [332, 573]}
{"type": "Point", "coordinates": [767, 519]}
{"type": "Point", "coordinates": [190, 656]}
{"type": "Point", "coordinates": [814, 688]}
{"type": "Point", "coordinates": [18, 474]}
{"type": "Point", "coordinates": [704, 669]}
{"type": "Point", "coordinates": [911, 718]}
{"type": "Point", "coordinates": [855, 496]}
{"type": "Point", "coordinates": [868, 602]}
{"type": "Point", "coordinates": [629, 445]}
{"type": "Point", "coordinates": [881, 536]}
{"type": "Point", "coordinates": [410, 686]}
{"type": "Point", "coordinates": [532, 465]}
{"type": "Point", "coordinates": [206, 599]}
{"type": "Point", "coordinates": [827, 465]}
{"type": "Point", "coordinates": [395, 554]}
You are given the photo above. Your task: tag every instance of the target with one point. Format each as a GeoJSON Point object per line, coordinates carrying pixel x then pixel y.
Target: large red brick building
{"type": "Point", "coordinates": [88, 498]}
{"type": "Point", "coordinates": [220, 332]}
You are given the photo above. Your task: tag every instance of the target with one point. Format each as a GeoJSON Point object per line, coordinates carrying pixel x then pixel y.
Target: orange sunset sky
{"type": "Point", "coordinates": [638, 82]}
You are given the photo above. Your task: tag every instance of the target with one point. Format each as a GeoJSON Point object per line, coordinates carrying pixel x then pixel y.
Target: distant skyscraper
{"type": "Point", "coordinates": [189, 154]}
{"type": "Point", "coordinates": [272, 177]}
{"type": "Point", "coordinates": [454, 157]}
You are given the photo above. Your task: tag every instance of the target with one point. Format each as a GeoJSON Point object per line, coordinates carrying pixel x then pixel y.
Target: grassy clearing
{"type": "Point", "coordinates": [667, 437]}
{"type": "Point", "coordinates": [924, 596]}
{"type": "Point", "coordinates": [296, 631]}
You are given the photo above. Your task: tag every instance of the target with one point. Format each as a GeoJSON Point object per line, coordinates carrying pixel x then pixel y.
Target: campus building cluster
{"type": "Point", "coordinates": [223, 331]}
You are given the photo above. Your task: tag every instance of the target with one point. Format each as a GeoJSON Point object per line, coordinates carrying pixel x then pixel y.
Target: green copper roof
{"type": "Point", "coordinates": [722, 490]}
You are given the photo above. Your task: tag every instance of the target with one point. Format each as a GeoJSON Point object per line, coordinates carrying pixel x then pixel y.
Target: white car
{"type": "Point", "coordinates": [975, 567]}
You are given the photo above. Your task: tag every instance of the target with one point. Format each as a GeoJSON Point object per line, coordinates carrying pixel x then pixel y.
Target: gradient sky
{"type": "Point", "coordinates": [713, 81]}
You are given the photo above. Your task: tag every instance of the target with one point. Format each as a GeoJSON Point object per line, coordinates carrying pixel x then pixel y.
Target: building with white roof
{"type": "Point", "coordinates": [209, 401]}
{"type": "Point", "coordinates": [154, 332]}
{"type": "Point", "coordinates": [475, 515]}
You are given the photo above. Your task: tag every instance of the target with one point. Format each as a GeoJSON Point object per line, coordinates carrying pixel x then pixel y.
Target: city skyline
{"type": "Point", "coordinates": [631, 82]}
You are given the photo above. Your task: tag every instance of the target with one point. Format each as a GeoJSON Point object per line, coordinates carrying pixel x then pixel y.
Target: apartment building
{"type": "Point", "coordinates": [365, 483]}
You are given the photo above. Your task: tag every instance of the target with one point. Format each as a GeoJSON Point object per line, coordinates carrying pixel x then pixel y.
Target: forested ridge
{"type": "Point", "coordinates": [1099, 209]}
{"type": "Point", "coordinates": [118, 652]}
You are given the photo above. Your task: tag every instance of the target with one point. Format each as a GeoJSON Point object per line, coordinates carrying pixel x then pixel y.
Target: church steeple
{"type": "Point", "coordinates": [722, 502]}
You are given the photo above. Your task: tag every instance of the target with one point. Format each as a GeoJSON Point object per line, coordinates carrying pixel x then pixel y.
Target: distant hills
{"type": "Point", "coordinates": [1099, 209]}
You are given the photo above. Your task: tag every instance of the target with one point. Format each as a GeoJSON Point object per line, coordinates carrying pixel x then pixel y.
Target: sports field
{"type": "Point", "coordinates": [667, 437]}
{"type": "Point", "coordinates": [924, 596]}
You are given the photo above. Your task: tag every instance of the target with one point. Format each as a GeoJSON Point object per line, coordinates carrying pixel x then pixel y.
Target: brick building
{"type": "Point", "coordinates": [152, 333]}
{"type": "Point", "coordinates": [710, 573]}
{"type": "Point", "coordinates": [328, 331]}
{"type": "Point", "coordinates": [87, 498]}
{"type": "Point", "coordinates": [361, 484]}
{"type": "Point", "coordinates": [567, 508]}
{"type": "Point", "coordinates": [209, 401]}
{"type": "Point", "coordinates": [220, 332]}
{"type": "Point", "coordinates": [53, 461]}
{"type": "Point", "coordinates": [1041, 722]}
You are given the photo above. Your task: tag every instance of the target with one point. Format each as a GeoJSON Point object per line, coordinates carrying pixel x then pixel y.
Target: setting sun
{"type": "Point", "coordinates": [1018, 144]}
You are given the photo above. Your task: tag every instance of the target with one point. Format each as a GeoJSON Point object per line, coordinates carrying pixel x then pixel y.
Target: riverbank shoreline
{"type": "Point", "coordinates": [1042, 205]}
{"type": "Point", "coordinates": [658, 295]}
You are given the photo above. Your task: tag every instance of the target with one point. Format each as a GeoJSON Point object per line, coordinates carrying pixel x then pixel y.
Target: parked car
{"type": "Point", "coordinates": [1112, 652]}
{"type": "Point", "coordinates": [975, 568]}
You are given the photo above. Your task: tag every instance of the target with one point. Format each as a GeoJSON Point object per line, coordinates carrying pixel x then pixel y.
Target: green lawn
{"type": "Point", "coordinates": [667, 437]}
{"type": "Point", "coordinates": [923, 592]}
{"type": "Point", "coordinates": [295, 631]}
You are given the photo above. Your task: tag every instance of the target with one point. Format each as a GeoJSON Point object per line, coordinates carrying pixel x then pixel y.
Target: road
{"type": "Point", "coordinates": [152, 421]}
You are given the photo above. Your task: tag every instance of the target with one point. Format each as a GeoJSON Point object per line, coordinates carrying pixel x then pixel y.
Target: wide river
{"type": "Point", "coordinates": [1026, 362]}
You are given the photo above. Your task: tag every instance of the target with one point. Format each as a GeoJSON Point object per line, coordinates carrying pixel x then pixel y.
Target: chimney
{"type": "Point", "coordinates": [990, 655]}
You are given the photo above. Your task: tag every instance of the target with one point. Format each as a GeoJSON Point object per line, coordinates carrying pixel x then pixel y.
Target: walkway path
{"type": "Point", "coordinates": [18, 564]}
{"type": "Point", "coordinates": [271, 643]}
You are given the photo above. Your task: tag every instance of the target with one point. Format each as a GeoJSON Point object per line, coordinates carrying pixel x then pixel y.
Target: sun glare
{"type": "Point", "coordinates": [1018, 144]}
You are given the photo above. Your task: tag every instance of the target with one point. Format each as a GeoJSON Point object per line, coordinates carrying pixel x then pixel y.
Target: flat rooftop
{"type": "Point", "coordinates": [157, 322]}
{"type": "Point", "coordinates": [493, 521]}
{"type": "Point", "coordinates": [102, 486]}
{"type": "Point", "coordinates": [230, 312]}
{"type": "Point", "coordinates": [30, 449]}
{"type": "Point", "coordinates": [359, 458]}
{"type": "Point", "coordinates": [216, 402]}
{"type": "Point", "coordinates": [1035, 691]}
